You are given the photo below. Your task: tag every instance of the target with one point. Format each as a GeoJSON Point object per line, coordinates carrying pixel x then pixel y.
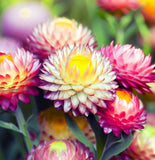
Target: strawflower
{"type": "Point", "coordinates": [148, 10]}
{"type": "Point", "coordinates": [53, 125]}
{"type": "Point", "coordinates": [133, 68]}
{"type": "Point", "coordinates": [50, 36]}
{"type": "Point", "coordinates": [143, 144]}
{"type": "Point", "coordinates": [119, 6]}
{"type": "Point", "coordinates": [124, 113]}
{"type": "Point", "coordinates": [18, 76]}
{"type": "Point", "coordinates": [60, 150]}
{"type": "Point", "coordinates": [78, 78]}
{"type": "Point", "coordinates": [18, 20]}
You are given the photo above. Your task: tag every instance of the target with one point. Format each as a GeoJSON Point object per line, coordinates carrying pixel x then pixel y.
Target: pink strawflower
{"type": "Point", "coordinates": [18, 71]}
{"type": "Point", "coordinates": [19, 19]}
{"type": "Point", "coordinates": [78, 78]}
{"type": "Point", "coordinates": [121, 6]}
{"type": "Point", "coordinates": [53, 125]}
{"type": "Point", "coordinates": [143, 145]}
{"type": "Point", "coordinates": [124, 113]}
{"type": "Point", "coordinates": [133, 68]}
{"type": "Point", "coordinates": [60, 150]}
{"type": "Point", "coordinates": [50, 36]}
{"type": "Point", "coordinates": [9, 45]}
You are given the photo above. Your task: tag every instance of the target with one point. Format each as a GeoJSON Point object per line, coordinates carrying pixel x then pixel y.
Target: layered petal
{"type": "Point", "coordinates": [133, 68]}
{"type": "Point", "coordinates": [50, 36]}
{"type": "Point", "coordinates": [53, 125]}
{"type": "Point", "coordinates": [125, 113]}
{"type": "Point", "coordinates": [77, 81]}
{"type": "Point", "coordinates": [119, 6]}
{"type": "Point", "coordinates": [18, 76]}
{"type": "Point", "coordinates": [143, 144]}
{"type": "Point", "coordinates": [60, 149]}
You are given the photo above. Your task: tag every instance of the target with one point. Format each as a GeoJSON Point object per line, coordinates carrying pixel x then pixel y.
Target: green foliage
{"type": "Point", "coordinates": [115, 145]}
{"type": "Point", "coordinates": [99, 135]}
{"type": "Point", "coordinates": [78, 133]}
{"type": "Point", "coordinates": [10, 126]}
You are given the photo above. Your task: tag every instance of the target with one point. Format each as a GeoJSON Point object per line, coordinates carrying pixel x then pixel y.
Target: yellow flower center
{"type": "Point", "coordinates": [148, 6]}
{"type": "Point", "coordinates": [124, 95]}
{"type": "Point", "coordinates": [64, 23]}
{"type": "Point", "coordinates": [5, 56]}
{"type": "Point", "coordinates": [58, 146]}
{"type": "Point", "coordinates": [25, 12]}
{"type": "Point", "coordinates": [81, 63]}
{"type": "Point", "coordinates": [58, 124]}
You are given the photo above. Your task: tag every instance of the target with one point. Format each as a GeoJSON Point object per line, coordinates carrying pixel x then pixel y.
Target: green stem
{"type": "Point", "coordinates": [120, 36]}
{"type": "Point", "coordinates": [144, 31]}
{"type": "Point", "coordinates": [99, 135]}
{"type": "Point", "coordinates": [22, 126]}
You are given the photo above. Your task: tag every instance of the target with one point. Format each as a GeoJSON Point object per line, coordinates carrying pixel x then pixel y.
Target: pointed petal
{"type": "Point", "coordinates": [67, 105]}
{"type": "Point", "coordinates": [74, 101]}
{"type": "Point", "coordinates": [82, 97]}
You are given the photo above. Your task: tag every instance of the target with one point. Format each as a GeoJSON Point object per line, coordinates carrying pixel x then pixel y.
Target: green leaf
{"type": "Point", "coordinates": [115, 145]}
{"type": "Point", "coordinates": [111, 21]}
{"type": "Point", "coordinates": [145, 33]}
{"type": "Point", "coordinates": [33, 126]}
{"type": "Point", "coordinates": [125, 20]}
{"type": "Point", "coordinates": [10, 126]}
{"type": "Point", "coordinates": [78, 133]}
{"type": "Point", "coordinates": [99, 135]}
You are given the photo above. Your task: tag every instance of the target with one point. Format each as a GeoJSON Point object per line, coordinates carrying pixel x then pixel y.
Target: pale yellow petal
{"type": "Point", "coordinates": [74, 101]}
{"type": "Point", "coordinates": [89, 91]}
{"type": "Point", "coordinates": [77, 88]}
{"type": "Point", "coordinates": [82, 97]}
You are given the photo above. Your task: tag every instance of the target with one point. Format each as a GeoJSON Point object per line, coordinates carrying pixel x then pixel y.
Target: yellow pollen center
{"type": "Point", "coordinates": [124, 95]}
{"type": "Point", "coordinates": [81, 63]}
{"type": "Point", "coordinates": [65, 23]}
{"type": "Point", "coordinates": [58, 146]}
{"type": "Point", "coordinates": [25, 12]}
{"type": "Point", "coordinates": [4, 56]}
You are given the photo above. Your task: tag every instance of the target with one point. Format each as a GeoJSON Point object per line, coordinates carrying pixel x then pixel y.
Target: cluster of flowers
{"type": "Point", "coordinates": [61, 57]}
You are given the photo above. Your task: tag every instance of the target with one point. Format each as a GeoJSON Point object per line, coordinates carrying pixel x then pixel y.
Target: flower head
{"type": "Point", "coordinates": [18, 72]}
{"type": "Point", "coordinates": [124, 113]}
{"type": "Point", "coordinates": [78, 78]}
{"type": "Point", "coordinates": [50, 36]}
{"type": "Point", "coordinates": [53, 125]}
{"type": "Point", "coordinates": [19, 19]}
{"type": "Point", "coordinates": [143, 144]}
{"type": "Point", "coordinates": [133, 69]}
{"type": "Point", "coordinates": [121, 6]}
{"type": "Point", "coordinates": [60, 149]}
{"type": "Point", "coordinates": [148, 10]}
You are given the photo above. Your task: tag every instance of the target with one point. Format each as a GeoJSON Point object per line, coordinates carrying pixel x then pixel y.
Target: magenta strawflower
{"type": "Point", "coordinates": [124, 113]}
{"type": "Point", "coordinates": [133, 68]}
{"type": "Point", "coordinates": [50, 36]}
{"type": "Point", "coordinates": [121, 6]}
{"type": "Point", "coordinates": [18, 71]}
{"type": "Point", "coordinates": [60, 150]}
{"type": "Point", "coordinates": [78, 78]}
